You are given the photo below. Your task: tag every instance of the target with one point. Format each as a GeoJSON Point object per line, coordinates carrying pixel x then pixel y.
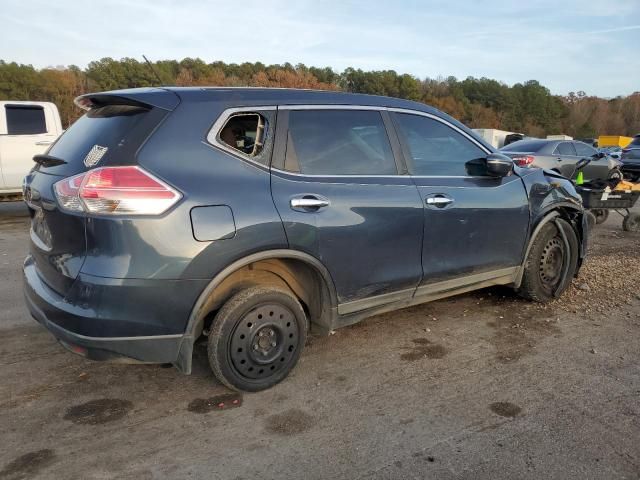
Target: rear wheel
{"type": "Point", "coordinates": [256, 338]}
{"type": "Point", "coordinates": [548, 260]}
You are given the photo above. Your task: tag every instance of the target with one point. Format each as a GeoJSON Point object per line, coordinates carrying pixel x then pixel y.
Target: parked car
{"type": "Point", "coordinates": [26, 129]}
{"type": "Point", "coordinates": [250, 215]}
{"type": "Point", "coordinates": [631, 159]}
{"type": "Point", "coordinates": [561, 156]}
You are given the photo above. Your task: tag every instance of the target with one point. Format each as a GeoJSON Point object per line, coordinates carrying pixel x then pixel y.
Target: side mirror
{"type": "Point", "coordinates": [499, 165]}
{"type": "Point", "coordinates": [599, 155]}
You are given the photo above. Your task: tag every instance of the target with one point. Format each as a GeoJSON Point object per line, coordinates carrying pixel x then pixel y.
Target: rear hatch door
{"type": "Point", "coordinates": [110, 133]}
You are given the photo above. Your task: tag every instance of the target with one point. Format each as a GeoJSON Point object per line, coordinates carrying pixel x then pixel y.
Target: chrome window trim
{"type": "Point", "coordinates": [443, 121]}
{"type": "Point", "coordinates": [212, 135]}
{"type": "Point", "coordinates": [336, 106]}
{"type": "Point", "coordinates": [213, 139]}
{"type": "Point", "coordinates": [385, 109]}
{"type": "Point", "coordinates": [381, 109]}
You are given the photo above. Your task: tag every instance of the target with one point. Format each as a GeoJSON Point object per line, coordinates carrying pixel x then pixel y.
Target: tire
{"type": "Point", "coordinates": [601, 215]}
{"type": "Point", "coordinates": [256, 338]}
{"type": "Point", "coordinates": [544, 264]}
{"type": "Point", "coordinates": [631, 223]}
{"type": "Point", "coordinates": [615, 173]}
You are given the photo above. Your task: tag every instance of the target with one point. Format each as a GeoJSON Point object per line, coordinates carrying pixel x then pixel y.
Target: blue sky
{"type": "Point", "coordinates": [590, 45]}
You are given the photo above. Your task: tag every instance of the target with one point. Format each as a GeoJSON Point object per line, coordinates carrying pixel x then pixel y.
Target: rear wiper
{"type": "Point", "coordinates": [48, 160]}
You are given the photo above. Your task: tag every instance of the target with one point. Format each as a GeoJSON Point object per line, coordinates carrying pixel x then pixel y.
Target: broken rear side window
{"type": "Point", "coordinates": [246, 133]}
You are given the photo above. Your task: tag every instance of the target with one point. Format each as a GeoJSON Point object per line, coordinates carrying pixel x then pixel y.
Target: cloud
{"type": "Point", "coordinates": [561, 44]}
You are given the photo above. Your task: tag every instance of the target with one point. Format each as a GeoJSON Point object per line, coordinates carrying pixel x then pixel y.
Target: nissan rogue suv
{"type": "Point", "coordinates": [249, 217]}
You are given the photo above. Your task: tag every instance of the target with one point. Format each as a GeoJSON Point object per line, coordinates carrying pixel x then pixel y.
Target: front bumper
{"type": "Point", "coordinates": [69, 322]}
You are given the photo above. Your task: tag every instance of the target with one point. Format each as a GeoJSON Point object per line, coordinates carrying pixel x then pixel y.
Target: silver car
{"type": "Point", "coordinates": [562, 156]}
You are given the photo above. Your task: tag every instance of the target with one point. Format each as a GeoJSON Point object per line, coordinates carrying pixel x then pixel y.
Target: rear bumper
{"type": "Point", "coordinates": [69, 322]}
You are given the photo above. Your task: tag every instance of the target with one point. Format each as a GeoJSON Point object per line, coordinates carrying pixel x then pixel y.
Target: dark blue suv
{"type": "Point", "coordinates": [249, 216]}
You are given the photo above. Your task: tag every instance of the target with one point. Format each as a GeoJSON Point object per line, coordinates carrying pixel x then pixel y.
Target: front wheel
{"type": "Point", "coordinates": [256, 338]}
{"type": "Point", "coordinates": [551, 263]}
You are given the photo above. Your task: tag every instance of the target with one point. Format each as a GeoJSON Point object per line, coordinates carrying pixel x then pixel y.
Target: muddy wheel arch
{"type": "Point", "coordinates": [302, 274]}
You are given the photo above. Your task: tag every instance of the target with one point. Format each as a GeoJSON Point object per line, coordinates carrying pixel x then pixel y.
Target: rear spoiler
{"type": "Point", "coordinates": [139, 97]}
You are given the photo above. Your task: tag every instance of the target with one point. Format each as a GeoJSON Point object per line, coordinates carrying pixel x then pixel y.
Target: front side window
{"type": "Point", "coordinates": [25, 120]}
{"type": "Point", "coordinates": [436, 149]}
{"type": "Point", "coordinates": [338, 142]}
{"type": "Point", "coordinates": [584, 150]}
{"type": "Point", "coordinates": [565, 148]}
{"type": "Point", "coordinates": [245, 132]}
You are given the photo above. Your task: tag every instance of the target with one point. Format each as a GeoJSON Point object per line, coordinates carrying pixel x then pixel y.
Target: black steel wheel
{"type": "Point", "coordinates": [256, 338]}
{"type": "Point", "coordinates": [551, 262]}
{"type": "Point", "coordinates": [601, 215]}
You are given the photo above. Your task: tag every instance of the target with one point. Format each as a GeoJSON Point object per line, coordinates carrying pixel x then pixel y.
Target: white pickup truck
{"type": "Point", "coordinates": [26, 129]}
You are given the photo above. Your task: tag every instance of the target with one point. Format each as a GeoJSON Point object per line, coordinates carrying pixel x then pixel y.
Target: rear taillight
{"type": "Point", "coordinates": [116, 191]}
{"type": "Point", "coordinates": [523, 160]}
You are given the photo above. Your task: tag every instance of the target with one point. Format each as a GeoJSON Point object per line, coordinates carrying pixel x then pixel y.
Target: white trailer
{"type": "Point", "coordinates": [559, 137]}
{"type": "Point", "coordinates": [493, 136]}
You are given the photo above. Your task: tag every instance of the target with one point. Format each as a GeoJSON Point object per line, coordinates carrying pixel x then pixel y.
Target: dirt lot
{"type": "Point", "coordinates": [479, 386]}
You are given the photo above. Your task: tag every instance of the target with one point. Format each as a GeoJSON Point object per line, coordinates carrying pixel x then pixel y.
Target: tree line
{"type": "Point", "coordinates": [527, 107]}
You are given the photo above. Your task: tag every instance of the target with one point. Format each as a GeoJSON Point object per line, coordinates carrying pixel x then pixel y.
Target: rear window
{"type": "Point", "coordinates": [110, 134]}
{"type": "Point", "coordinates": [25, 119]}
{"type": "Point", "coordinates": [635, 142]}
{"type": "Point", "coordinates": [524, 146]}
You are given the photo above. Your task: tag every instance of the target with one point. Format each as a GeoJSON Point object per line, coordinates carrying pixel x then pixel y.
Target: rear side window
{"type": "Point", "coordinates": [436, 149]}
{"type": "Point", "coordinates": [584, 150]}
{"type": "Point", "coordinates": [338, 142]}
{"type": "Point", "coordinates": [109, 134]}
{"type": "Point", "coordinates": [25, 119]}
{"type": "Point", "coordinates": [635, 142]}
{"type": "Point", "coordinates": [246, 133]}
{"type": "Point", "coordinates": [565, 148]}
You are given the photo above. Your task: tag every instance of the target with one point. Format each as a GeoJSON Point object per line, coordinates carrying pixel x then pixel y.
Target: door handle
{"type": "Point", "coordinates": [44, 142]}
{"type": "Point", "coordinates": [439, 201]}
{"type": "Point", "coordinates": [309, 203]}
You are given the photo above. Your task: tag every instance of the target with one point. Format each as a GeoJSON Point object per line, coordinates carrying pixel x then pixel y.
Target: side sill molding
{"type": "Point", "coordinates": [428, 292]}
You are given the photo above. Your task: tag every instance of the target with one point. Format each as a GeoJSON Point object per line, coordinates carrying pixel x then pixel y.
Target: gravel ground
{"type": "Point", "coordinates": [483, 385]}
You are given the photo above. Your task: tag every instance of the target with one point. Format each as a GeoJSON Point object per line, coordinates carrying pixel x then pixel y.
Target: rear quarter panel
{"type": "Point", "coordinates": [165, 248]}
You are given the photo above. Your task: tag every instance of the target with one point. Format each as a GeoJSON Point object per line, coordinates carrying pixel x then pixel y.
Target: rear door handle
{"type": "Point", "coordinates": [309, 203]}
{"type": "Point", "coordinates": [438, 201]}
{"type": "Point", "coordinates": [44, 142]}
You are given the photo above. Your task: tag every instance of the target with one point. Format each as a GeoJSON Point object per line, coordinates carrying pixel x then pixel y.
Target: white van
{"type": "Point", "coordinates": [26, 129]}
